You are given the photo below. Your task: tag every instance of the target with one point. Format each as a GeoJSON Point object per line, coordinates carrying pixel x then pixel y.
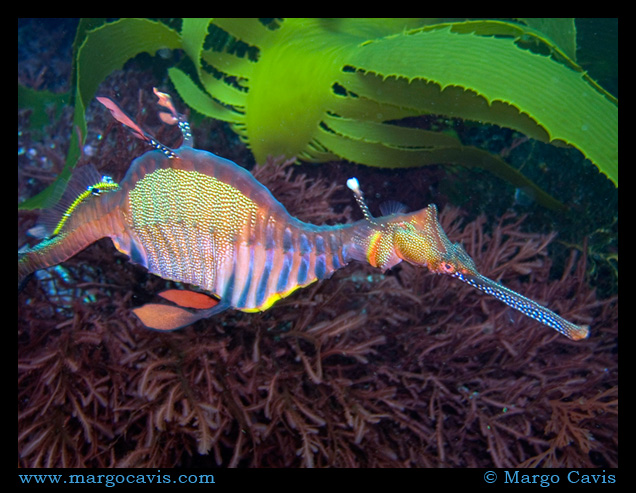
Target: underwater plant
{"type": "Point", "coordinates": [325, 89]}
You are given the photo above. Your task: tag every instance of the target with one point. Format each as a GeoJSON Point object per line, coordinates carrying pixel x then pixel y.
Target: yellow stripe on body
{"type": "Point", "coordinates": [105, 185]}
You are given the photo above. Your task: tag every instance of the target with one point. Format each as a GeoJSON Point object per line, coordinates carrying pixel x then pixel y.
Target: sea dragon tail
{"type": "Point", "coordinates": [77, 220]}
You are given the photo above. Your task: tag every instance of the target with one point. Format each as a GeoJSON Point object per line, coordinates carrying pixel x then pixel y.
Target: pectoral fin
{"type": "Point", "coordinates": [168, 317]}
{"type": "Point", "coordinates": [165, 317]}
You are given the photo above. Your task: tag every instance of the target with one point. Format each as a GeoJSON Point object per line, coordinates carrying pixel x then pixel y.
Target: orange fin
{"type": "Point", "coordinates": [166, 317]}
{"type": "Point", "coordinates": [122, 117]}
{"type": "Point", "coordinates": [189, 299]}
{"type": "Point", "coordinates": [165, 101]}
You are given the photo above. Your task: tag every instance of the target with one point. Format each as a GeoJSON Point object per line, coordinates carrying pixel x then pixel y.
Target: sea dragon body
{"type": "Point", "coordinates": [190, 216]}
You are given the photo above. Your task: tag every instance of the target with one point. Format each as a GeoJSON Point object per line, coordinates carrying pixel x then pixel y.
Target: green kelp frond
{"type": "Point", "coordinates": [325, 89]}
{"type": "Point", "coordinates": [310, 71]}
{"type": "Point", "coordinates": [557, 100]}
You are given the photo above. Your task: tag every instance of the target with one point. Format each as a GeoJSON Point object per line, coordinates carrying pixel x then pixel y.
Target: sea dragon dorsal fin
{"type": "Point", "coordinates": [168, 115]}
{"type": "Point", "coordinates": [172, 117]}
{"type": "Point", "coordinates": [393, 207]}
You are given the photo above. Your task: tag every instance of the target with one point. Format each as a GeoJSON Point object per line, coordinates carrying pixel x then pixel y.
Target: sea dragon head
{"type": "Point", "coordinates": [419, 239]}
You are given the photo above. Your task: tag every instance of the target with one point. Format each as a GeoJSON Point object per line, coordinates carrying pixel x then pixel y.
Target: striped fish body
{"type": "Point", "coordinates": [193, 217]}
{"type": "Point", "coordinates": [203, 220]}
{"type": "Point", "coordinates": [190, 216]}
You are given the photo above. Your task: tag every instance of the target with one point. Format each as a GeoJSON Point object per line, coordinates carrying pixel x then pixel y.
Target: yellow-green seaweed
{"type": "Point", "coordinates": [456, 69]}
{"type": "Point", "coordinates": [324, 89]}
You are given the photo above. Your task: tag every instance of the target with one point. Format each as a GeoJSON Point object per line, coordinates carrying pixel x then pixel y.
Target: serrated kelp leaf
{"type": "Point", "coordinates": [371, 110]}
{"type": "Point", "coordinates": [199, 100]}
{"type": "Point", "coordinates": [222, 89]}
{"type": "Point", "coordinates": [84, 26]}
{"type": "Point", "coordinates": [248, 30]}
{"type": "Point", "coordinates": [312, 87]}
{"type": "Point", "coordinates": [193, 34]}
{"type": "Point", "coordinates": [230, 64]}
{"type": "Point", "coordinates": [390, 135]}
{"type": "Point", "coordinates": [541, 38]}
{"type": "Point", "coordinates": [365, 28]}
{"type": "Point", "coordinates": [390, 146]}
{"type": "Point", "coordinates": [559, 99]}
{"type": "Point", "coordinates": [425, 97]}
{"type": "Point", "coordinates": [303, 74]}
{"type": "Point", "coordinates": [557, 36]}
{"type": "Point", "coordinates": [561, 31]}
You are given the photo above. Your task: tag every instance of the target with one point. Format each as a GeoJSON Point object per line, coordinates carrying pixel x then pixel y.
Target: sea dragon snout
{"type": "Point", "coordinates": [419, 239]}
{"type": "Point", "coordinates": [525, 305]}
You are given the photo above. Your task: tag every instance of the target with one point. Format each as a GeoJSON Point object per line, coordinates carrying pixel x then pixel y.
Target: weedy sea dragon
{"type": "Point", "coordinates": [194, 217]}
